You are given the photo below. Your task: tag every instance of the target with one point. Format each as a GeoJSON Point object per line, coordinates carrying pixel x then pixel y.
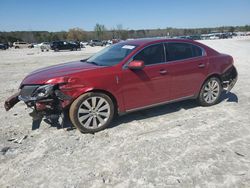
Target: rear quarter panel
{"type": "Point", "coordinates": [219, 64]}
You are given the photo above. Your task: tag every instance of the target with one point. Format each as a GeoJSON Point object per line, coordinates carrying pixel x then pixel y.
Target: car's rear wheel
{"type": "Point", "coordinates": [210, 92]}
{"type": "Point", "coordinates": [91, 112]}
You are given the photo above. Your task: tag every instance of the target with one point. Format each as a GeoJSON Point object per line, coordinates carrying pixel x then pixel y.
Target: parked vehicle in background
{"type": "Point", "coordinates": [3, 46]}
{"type": "Point", "coordinates": [17, 45]}
{"type": "Point", "coordinates": [64, 45]}
{"type": "Point", "coordinates": [44, 46]}
{"type": "Point", "coordinates": [114, 41]}
{"type": "Point", "coordinates": [95, 43]}
{"type": "Point", "coordinates": [83, 44]}
{"type": "Point", "coordinates": [78, 44]}
{"type": "Point", "coordinates": [104, 42]}
{"type": "Point", "coordinates": [225, 35]}
{"type": "Point", "coordinates": [195, 37]}
{"type": "Point", "coordinates": [126, 77]}
{"type": "Point", "coordinates": [183, 37]}
{"type": "Point", "coordinates": [109, 42]}
{"type": "Point", "coordinates": [214, 37]}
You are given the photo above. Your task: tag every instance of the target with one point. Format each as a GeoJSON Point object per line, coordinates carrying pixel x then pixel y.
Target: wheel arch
{"type": "Point", "coordinates": [217, 75]}
{"type": "Point", "coordinates": [113, 98]}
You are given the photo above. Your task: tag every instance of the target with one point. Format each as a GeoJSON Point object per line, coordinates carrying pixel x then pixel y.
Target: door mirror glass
{"type": "Point", "coordinates": [136, 65]}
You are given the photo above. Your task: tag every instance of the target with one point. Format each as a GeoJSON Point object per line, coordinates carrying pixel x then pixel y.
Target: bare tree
{"type": "Point", "coordinates": [99, 30]}
{"type": "Point", "coordinates": [76, 34]}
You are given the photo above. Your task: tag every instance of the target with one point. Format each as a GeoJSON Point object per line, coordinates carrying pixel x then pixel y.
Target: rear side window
{"type": "Point", "coordinates": [197, 51]}
{"type": "Point", "coordinates": [151, 55]}
{"type": "Point", "coordinates": [180, 51]}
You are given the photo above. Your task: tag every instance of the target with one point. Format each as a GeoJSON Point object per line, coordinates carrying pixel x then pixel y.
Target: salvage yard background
{"type": "Point", "coordinates": [180, 144]}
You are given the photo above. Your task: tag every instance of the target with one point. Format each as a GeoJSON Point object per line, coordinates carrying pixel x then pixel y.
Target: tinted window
{"type": "Point", "coordinates": [179, 51]}
{"type": "Point", "coordinates": [197, 51]}
{"type": "Point", "coordinates": [151, 55]}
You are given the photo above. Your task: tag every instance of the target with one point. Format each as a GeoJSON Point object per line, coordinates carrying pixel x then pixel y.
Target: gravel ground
{"type": "Point", "coordinates": [176, 145]}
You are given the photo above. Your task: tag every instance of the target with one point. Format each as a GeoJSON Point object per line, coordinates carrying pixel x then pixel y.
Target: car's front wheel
{"type": "Point", "coordinates": [210, 92]}
{"type": "Point", "coordinates": [92, 112]}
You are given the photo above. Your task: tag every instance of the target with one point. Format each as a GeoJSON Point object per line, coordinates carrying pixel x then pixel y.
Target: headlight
{"type": "Point", "coordinates": [43, 91]}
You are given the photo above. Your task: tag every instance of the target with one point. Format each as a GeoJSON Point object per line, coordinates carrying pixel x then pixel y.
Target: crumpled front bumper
{"type": "Point", "coordinates": [11, 101]}
{"type": "Point", "coordinates": [26, 94]}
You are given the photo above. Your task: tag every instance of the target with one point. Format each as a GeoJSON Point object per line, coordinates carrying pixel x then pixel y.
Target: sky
{"type": "Point", "coordinates": [61, 15]}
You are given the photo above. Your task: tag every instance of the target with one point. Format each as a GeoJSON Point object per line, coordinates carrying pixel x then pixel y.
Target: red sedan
{"type": "Point", "coordinates": [125, 77]}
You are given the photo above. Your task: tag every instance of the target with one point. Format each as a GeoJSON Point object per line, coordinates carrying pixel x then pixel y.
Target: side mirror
{"type": "Point", "coordinates": [136, 65]}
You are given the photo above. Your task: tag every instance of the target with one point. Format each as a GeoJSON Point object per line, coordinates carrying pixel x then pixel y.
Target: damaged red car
{"type": "Point", "coordinates": [126, 77]}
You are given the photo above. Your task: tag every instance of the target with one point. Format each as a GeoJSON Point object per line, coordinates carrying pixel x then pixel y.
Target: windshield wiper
{"type": "Point", "coordinates": [83, 60]}
{"type": "Point", "coordinates": [94, 63]}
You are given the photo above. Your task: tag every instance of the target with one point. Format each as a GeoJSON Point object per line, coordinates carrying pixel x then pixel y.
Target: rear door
{"type": "Point", "coordinates": [187, 66]}
{"type": "Point", "coordinates": [149, 85]}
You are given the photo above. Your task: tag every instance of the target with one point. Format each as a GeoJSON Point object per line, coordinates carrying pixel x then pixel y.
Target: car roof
{"type": "Point", "coordinates": [145, 41]}
{"type": "Point", "coordinates": [148, 41]}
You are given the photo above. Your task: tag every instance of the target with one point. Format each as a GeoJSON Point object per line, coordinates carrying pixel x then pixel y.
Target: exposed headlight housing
{"type": "Point", "coordinates": [43, 91]}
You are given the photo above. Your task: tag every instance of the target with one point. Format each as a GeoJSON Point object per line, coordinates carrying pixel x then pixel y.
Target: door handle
{"type": "Point", "coordinates": [201, 65]}
{"type": "Point", "coordinates": [163, 71]}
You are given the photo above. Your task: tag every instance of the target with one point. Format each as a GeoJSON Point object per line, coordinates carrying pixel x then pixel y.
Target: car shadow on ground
{"type": "Point", "coordinates": [167, 108]}
{"type": "Point", "coordinates": [229, 97]}
{"type": "Point", "coordinates": [139, 115]}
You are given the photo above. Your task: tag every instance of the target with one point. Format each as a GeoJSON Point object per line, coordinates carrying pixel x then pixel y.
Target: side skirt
{"type": "Point", "coordinates": [157, 104]}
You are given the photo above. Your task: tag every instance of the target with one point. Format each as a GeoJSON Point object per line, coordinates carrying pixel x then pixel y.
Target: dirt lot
{"type": "Point", "coordinates": [176, 145]}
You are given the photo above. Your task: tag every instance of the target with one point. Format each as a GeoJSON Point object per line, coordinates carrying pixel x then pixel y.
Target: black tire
{"type": "Point", "coordinates": [56, 50]}
{"type": "Point", "coordinates": [78, 104]}
{"type": "Point", "coordinates": [206, 91]}
{"type": "Point", "coordinates": [16, 47]}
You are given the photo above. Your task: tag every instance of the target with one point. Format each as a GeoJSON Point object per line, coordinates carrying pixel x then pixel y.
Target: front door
{"type": "Point", "coordinates": [147, 86]}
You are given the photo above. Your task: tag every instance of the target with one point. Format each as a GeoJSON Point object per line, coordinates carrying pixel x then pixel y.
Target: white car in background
{"type": "Point", "coordinates": [83, 44]}
{"type": "Point", "coordinates": [214, 37]}
{"type": "Point", "coordinates": [44, 46]}
{"type": "Point", "coordinates": [17, 45]}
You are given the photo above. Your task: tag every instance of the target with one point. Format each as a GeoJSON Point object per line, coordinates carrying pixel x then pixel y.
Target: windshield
{"type": "Point", "coordinates": [111, 55]}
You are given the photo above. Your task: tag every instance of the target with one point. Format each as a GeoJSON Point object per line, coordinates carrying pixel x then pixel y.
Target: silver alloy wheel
{"type": "Point", "coordinates": [94, 112]}
{"type": "Point", "coordinates": [211, 91]}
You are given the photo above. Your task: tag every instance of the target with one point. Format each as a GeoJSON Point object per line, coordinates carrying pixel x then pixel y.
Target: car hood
{"type": "Point", "coordinates": [42, 75]}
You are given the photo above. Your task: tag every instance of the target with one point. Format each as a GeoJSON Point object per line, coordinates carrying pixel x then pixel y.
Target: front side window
{"type": "Point", "coordinates": [112, 55]}
{"type": "Point", "coordinates": [180, 51]}
{"type": "Point", "coordinates": [151, 55]}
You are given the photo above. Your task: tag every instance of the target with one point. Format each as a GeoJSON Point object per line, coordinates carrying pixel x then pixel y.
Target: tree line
{"type": "Point", "coordinates": [102, 33]}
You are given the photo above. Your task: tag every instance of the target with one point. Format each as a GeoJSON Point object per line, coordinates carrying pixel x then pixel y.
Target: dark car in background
{"type": "Point", "coordinates": [3, 46]}
{"type": "Point", "coordinates": [78, 44]}
{"type": "Point", "coordinates": [64, 45]}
